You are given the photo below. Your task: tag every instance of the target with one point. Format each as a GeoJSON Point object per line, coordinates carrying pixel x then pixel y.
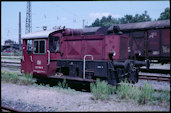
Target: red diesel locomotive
{"type": "Point", "coordinates": [79, 54]}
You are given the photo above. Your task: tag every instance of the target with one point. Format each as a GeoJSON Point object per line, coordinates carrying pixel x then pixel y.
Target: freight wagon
{"type": "Point", "coordinates": [148, 40]}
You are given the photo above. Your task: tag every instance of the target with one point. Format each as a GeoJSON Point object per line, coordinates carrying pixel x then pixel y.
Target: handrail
{"type": "Point", "coordinates": [23, 58]}
{"type": "Point", "coordinates": [84, 64]}
{"type": "Point", "coordinates": [31, 59]}
{"type": "Point", "coordinates": [48, 57]}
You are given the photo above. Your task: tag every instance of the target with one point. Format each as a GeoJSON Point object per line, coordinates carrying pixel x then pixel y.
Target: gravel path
{"type": "Point", "coordinates": [37, 98]}
{"type": "Point", "coordinates": [156, 85]}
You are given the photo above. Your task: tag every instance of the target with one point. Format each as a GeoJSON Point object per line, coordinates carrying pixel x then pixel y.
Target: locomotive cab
{"type": "Point", "coordinates": [36, 52]}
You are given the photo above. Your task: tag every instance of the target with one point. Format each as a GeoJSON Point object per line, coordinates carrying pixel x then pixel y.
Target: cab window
{"type": "Point", "coordinates": [39, 47]}
{"type": "Point", "coordinates": [54, 44]}
{"type": "Point", "coordinates": [29, 46]}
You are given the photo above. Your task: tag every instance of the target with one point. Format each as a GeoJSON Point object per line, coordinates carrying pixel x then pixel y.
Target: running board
{"type": "Point", "coordinates": [72, 78]}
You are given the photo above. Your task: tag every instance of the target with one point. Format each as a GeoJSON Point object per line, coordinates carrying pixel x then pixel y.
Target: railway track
{"type": "Point", "coordinates": [163, 71]}
{"type": "Point", "coordinates": [141, 76]}
{"type": "Point", "coordinates": [156, 78]}
{"type": "Point", "coordinates": [7, 109]}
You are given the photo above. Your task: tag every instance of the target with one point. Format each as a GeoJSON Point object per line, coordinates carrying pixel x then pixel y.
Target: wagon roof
{"type": "Point", "coordinates": [143, 25]}
{"type": "Point", "coordinates": [40, 34]}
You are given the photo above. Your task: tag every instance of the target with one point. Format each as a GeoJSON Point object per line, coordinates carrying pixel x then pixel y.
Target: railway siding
{"type": "Point", "coordinates": [10, 61]}
{"type": "Point", "coordinates": [154, 77]}
{"type": "Point", "coordinates": [11, 57]}
{"type": "Point", "coordinates": [8, 109]}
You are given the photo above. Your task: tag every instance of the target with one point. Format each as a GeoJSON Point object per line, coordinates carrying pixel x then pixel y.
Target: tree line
{"type": "Point", "coordinates": [144, 17]}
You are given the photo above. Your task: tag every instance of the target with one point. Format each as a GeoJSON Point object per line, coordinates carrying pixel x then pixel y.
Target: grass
{"type": "Point", "coordinates": [13, 77]}
{"type": "Point", "coordinates": [127, 91]}
{"type": "Point", "coordinates": [101, 90]}
{"type": "Point", "coordinates": [161, 98]}
{"type": "Point", "coordinates": [9, 76]}
{"type": "Point", "coordinates": [144, 95]}
{"type": "Point", "coordinates": [63, 85]}
{"type": "Point", "coordinates": [27, 79]}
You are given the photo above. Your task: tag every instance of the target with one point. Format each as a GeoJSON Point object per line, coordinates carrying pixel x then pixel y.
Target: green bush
{"type": "Point", "coordinates": [13, 77]}
{"type": "Point", "coordinates": [101, 90]}
{"type": "Point", "coordinates": [127, 91]}
{"type": "Point", "coordinates": [146, 94]}
{"type": "Point", "coordinates": [9, 76]}
{"type": "Point", "coordinates": [165, 97]}
{"type": "Point", "coordinates": [63, 85]}
{"type": "Point", "coordinates": [27, 79]}
{"type": "Point", "coordinates": [162, 98]}
{"type": "Point", "coordinates": [4, 75]}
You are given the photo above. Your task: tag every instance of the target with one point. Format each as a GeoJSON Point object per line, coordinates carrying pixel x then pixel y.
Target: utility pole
{"type": "Point", "coordinates": [19, 31]}
{"type": "Point", "coordinates": [28, 18]}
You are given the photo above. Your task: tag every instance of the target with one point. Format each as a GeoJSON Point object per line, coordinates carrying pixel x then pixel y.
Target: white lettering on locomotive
{"type": "Point", "coordinates": [39, 62]}
{"type": "Point", "coordinates": [99, 66]}
{"type": "Point", "coordinates": [38, 71]}
{"type": "Point", "coordinates": [155, 52]}
{"type": "Point", "coordinates": [38, 67]}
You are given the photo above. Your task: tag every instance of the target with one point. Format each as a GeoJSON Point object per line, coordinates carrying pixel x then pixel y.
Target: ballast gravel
{"type": "Point", "coordinates": [47, 99]}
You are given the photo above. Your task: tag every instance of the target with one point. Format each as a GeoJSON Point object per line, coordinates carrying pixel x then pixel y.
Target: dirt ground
{"type": "Point", "coordinates": [40, 98]}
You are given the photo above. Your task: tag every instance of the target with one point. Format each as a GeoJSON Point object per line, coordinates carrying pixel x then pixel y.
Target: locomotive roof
{"type": "Point", "coordinates": [95, 30]}
{"type": "Point", "coordinates": [143, 25]}
{"type": "Point", "coordinates": [90, 29]}
{"type": "Point", "coordinates": [40, 34]}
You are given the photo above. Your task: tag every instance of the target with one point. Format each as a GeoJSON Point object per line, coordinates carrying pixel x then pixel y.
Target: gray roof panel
{"type": "Point", "coordinates": [143, 25]}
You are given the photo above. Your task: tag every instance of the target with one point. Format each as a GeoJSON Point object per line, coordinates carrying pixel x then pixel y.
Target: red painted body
{"type": "Point", "coordinates": [73, 47]}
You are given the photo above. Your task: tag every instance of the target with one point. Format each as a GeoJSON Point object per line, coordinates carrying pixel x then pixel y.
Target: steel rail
{"type": "Point", "coordinates": [12, 62]}
{"type": "Point", "coordinates": [162, 71]}
{"type": "Point", "coordinates": [8, 109]}
{"type": "Point", "coordinates": [156, 78]}
{"type": "Point", "coordinates": [11, 57]}
{"type": "Point", "coordinates": [7, 64]}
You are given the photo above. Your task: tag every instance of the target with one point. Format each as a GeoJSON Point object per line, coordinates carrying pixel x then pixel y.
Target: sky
{"type": "Point", "coordinates": [69, 13]}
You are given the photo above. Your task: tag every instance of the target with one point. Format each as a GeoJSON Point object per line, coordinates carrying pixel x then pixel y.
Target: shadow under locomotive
{"type": "Point", "coordinates": [73, 84]}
